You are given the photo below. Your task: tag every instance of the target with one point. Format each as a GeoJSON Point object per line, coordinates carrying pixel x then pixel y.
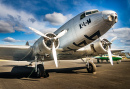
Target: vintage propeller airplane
{"type": "Point", "coordinates": [73, 35]}
{"type": "Point", "coordinates": [105, 57]}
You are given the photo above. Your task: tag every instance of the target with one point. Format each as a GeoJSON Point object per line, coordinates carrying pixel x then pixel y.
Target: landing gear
{"type": "Point", "coordinates": [41, 72]}
{"type": "Point", "coordinates": [91, 67]}
{"type": "Point", "coordinates": [107, 61]}
{"type": "Point", "coordinates": [98, 61]}
{"type": "Point", "coordinates": [39, 68]}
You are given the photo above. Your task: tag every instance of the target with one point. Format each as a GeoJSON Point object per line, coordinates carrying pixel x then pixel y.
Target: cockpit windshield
{"type": "Point", "coordinates": [88, 13]}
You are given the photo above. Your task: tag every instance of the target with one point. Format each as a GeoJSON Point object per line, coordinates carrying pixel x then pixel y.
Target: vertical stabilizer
{"type": "Point", "coordinates": [27, 43]}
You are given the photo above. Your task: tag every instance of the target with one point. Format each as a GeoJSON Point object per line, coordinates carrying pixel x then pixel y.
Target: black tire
{"type": "Point", "coordinates": [91, 68]}
{"type": "Point", "coordinates": [40, 71]}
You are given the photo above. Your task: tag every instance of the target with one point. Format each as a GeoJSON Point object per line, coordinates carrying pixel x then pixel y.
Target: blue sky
{"type": "Point", "coordinates": [48, 15]}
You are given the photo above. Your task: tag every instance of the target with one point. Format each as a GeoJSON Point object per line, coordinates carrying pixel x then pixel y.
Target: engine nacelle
{"type": "Point", "coordinates": [99, 47]}
{"type": "Point", "coordinates": [43, 45]}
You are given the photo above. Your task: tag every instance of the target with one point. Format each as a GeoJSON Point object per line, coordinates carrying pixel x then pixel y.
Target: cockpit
{"type": "Point", "coordinates": [86, 13]}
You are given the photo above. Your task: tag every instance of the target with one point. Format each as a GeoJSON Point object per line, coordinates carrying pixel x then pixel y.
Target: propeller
{"type": "Point", "coordinates": [110, 56]}
{"type": "Point", "coordinates": [39, 33]}
{"type": "Point", "coordinates": [52, 40]}
{"type": "Point", "coordinates": [54, 54]}
{"type": "Point", "coordinates": [113, 39]}
{"type": "Point", "coordinates": [60, 34]}
{"type": "Point", "coordinates": [109, 50]}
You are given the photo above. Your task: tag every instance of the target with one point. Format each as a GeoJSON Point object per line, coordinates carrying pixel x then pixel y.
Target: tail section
{"type": "Point", "coordinates": [27, 43]}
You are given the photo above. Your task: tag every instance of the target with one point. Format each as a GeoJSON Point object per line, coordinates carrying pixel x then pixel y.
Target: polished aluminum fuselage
{"type": "Point", "coordinates": [80, 32]}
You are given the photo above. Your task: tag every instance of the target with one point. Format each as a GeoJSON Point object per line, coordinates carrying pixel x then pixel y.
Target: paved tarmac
{"type": "Point", "coordinates": [71, 74]}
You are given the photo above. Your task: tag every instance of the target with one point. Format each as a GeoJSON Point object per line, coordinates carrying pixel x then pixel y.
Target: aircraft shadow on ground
{"type": "Point", "coordinates": [25, 72]}
{"type": "Point", "coordinates": [125, 61]}
{"type": "Point", "coordinates": [66, 70]}
{"type": "Point", "coordinates": [18, 72]}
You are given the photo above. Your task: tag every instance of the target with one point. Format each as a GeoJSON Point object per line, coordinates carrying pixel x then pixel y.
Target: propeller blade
{"type": "Point", "coordinates": [110, 56]}
{"type": "Point", "coordinates": [61, 34]}
{"type": "Point", "coordinates": [113, 39]}
{"type": "Point", "coordinates": [54, 54]}
{"type": "Point", "coordinates": [38, 32]}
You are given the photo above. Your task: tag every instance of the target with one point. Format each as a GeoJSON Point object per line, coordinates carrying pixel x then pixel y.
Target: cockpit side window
{"type": "Point", "coordinates": [82, 16]}
{"type": "Point", "coordinates": [87, 13]}
{"type": "Point", "coordinates": [94, 11]}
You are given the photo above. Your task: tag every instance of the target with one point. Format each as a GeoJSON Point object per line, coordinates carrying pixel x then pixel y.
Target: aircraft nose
{"type": "Point", "coordinates": [110, 16]}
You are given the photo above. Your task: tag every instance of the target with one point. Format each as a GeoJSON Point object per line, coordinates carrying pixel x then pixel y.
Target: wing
{"type": "Point", "coordinates": [116, 50]}
{"type": "Point", "coordinates": [69, 55]}
{"type": "Point", "coordinates": [19, 53]}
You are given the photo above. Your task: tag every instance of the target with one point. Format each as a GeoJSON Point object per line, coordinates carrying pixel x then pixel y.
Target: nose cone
{"type": "Point", "coordinates": [110, 16]}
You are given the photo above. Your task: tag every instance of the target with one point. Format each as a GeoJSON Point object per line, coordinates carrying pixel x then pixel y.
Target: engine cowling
{"type": "Point", "coordinates": [99, 47]}
{"type": "Point", "coordinates": [43, 45]}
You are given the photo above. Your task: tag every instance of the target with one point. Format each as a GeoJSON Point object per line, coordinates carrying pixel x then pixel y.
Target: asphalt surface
{"type": "Point", "coordinates": [71, 74]}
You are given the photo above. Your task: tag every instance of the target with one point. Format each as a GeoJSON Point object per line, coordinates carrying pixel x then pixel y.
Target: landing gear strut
{"type": "Point", "coordinates": [39, 68]}
{"type": "Point", "coordinates": [91, 67]}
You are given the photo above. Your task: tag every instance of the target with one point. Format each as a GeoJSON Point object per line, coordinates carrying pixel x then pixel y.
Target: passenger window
{"type": "Point", "coordinates": [82, 16]}
{"type": "Point", "coordinates": [87, 13]}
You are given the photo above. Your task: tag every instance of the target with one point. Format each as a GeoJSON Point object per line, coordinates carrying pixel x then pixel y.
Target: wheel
{"type": "Point", "coordinates": [91, 67]}
{"type": "Point", "coordinates": [41, 72]}
{"type": "Point", "coordinates": [98, 61]}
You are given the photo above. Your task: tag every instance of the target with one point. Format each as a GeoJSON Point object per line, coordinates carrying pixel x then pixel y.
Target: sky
{"type": "Point", "coordinates": [48, 15]}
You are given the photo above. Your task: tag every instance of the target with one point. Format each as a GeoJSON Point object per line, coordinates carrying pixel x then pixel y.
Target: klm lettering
{"type": "Point", "coordinates": [85, 23]}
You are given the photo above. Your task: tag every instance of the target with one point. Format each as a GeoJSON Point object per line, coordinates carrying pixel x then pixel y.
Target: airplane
{"type": "Point", "coordinates": [68, 39]}
{"type": "Point", "coordinates": [127, 56]}
{"type": "Point", "coordinates": [105, 57]}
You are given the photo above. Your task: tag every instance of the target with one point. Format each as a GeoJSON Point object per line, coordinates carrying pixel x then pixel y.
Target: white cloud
{"type": "Point", "coordinates": [12, 19]}
{"type": "Point", "coordinates": [121, 33]}
{"type": "Point", "coordinates": [57, 18]}
{"type": "Point", "coordinates": [9, 39]}
{"type": "Point", "coordinates": [49, 30]}
{"type": "Point", "coordinates": [5, 27]}
{"type": "Point", "coordinates": [123, 38]}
